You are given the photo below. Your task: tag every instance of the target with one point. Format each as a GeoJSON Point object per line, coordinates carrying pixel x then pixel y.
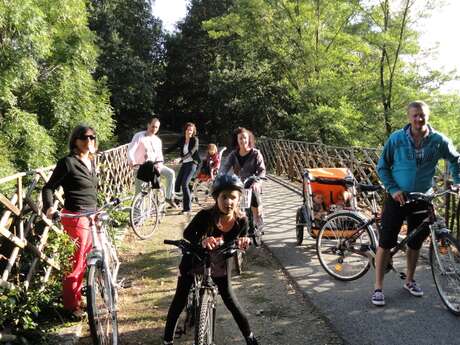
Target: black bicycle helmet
{"type": "Point", "coordinates": [226, 182]}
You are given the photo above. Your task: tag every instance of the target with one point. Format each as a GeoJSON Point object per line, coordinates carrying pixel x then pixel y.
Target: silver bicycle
{"type": "Point", "coordinates": [101, 275]}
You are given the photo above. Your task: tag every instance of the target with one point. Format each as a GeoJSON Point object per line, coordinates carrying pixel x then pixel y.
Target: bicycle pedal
{"type": "Point", "coordinates": [402, 275]}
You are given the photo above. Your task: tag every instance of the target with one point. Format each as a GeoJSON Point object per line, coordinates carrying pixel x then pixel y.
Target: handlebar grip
{"type": "Point", "coordinates": [171, 242]}
{"type": "Point", "coordinates": [115, 201]}
{"type": "Point", "coordinates": [56, 217]}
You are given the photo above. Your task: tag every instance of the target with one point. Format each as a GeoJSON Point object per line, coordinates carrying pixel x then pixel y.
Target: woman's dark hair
{"type": "Point", "coordinates": [190, 124]}
{"type": "Point", "coordinates": [77, 133]}
{"type": "Point", "coordinates": [239, 130]}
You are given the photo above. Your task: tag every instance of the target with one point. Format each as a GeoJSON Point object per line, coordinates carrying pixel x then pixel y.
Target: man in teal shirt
{"type": "Point", "coordinates": [408, 164]}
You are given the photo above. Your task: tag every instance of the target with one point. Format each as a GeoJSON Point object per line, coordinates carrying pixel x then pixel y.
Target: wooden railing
{"type": "Point", "coordinates": [25, 250]}
{"type": "Point", "coordinates": [290, 158]}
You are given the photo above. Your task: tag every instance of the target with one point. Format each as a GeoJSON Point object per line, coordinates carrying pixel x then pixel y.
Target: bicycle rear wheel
{"type": "Point", "coordinates": [144, 215]}
{"type": "Point", "coordinates": [204, 329]}
{"type": "Point", "coordinates": [343, 245]}
{"type": "Point", "coordinates": [445, 266]}
{"type": "Point", "coordinates": [102, 314]}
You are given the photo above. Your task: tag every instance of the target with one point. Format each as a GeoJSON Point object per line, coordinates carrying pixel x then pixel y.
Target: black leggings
{"type": "Point", "coordinates": [184, 283]}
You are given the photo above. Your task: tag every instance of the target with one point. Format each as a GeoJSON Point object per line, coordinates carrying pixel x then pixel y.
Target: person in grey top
{"type": "Point", "coordinates": [245, 160]}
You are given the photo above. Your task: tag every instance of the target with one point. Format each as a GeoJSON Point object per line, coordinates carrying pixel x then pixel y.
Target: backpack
{"type": "Point", "coordinates": [147, 172]}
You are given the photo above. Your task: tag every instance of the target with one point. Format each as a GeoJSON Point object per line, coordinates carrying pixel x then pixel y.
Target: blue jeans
{"type": "Point", "coordinates": [184, 176]}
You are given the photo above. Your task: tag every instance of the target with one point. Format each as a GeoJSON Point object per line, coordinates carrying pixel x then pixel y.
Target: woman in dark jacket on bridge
{"type": "Point", "coordinates": [245, 160]}
{"type": "Point", "coordinates": [188, 145]}
{"type": "Point", "coordinates": [76, 173]}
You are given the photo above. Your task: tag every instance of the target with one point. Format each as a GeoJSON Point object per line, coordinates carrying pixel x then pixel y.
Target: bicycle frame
{"type": "Point", "coordinates": [103, 250]}
{"type": "Point", "coordinates": [430, 219]}
{"type": "Point", "coordinates": [207, 284]}
{"type": "Point", "coordinates": [245, 206]}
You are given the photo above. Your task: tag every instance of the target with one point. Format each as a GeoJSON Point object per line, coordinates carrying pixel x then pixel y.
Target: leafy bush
{"type": "Point", "coordinates": [21, 309]}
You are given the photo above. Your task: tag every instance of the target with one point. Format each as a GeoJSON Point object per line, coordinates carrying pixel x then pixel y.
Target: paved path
{"type": "Point", "coordinates": [405, 320]}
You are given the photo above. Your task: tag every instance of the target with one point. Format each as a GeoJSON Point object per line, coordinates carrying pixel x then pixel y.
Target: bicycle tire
{"type": "Point", "coordinates": [239, 262]}
{"type": "Point", "coordinates": [144, 216]}
{"type": "Point", "coordinates": [299, 228]}
{"type": "Point", "coordinates": [204, 329]}
{"type": "Point", "coordinates": [342, 259]}
{"type": "Point", "coordinates": [201, 193]}
{"type": "Point", "coordinates": [102, 314]}
{"type": "Point", "coordinates": [448, 282]}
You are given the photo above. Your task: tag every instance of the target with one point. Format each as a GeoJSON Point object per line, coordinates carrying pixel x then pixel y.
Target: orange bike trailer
{"type": "Point", "coordinates": [330, 182]}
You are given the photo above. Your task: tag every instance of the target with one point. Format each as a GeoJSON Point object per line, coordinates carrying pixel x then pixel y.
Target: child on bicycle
{"type": "Point", "coordinates": [211, 164]}
{"type": "Point", "coordinates": [222, 222]}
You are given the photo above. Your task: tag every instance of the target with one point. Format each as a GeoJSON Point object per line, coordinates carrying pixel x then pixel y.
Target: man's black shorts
{"type": "Point", "coordinates": [392, 219]}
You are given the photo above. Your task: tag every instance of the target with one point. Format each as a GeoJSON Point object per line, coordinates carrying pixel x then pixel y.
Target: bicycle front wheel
{"type": "Point", "coordinates": [445, 266]}
{"type": "Point", "coordinates": [201, 193]}
{"type": "Point", "coordinates": [238, 262]}
{"type": "Point", "coordinates": [144, 214]}
{"type": "Point", "coordinates": [102, 313]}
{"type": "Point", "coordinates": [343, 246]}
{"type": "Point", "coordinates": [204, 329]}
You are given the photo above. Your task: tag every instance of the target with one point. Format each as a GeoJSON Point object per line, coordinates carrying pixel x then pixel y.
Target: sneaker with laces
{"type": "Point", "coordinates": [251, 340]}
{"type": "Point", "coordinates": [378, 298]}
{"type": "Point", "coordinates": [413, 288]}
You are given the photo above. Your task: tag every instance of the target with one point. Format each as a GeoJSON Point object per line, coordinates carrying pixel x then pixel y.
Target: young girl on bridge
{"type": "Point", "coordinates": [208, 228]}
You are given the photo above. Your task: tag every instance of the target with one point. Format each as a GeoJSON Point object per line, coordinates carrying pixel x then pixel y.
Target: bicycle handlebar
{"type": "Point", "coordinates": [248, 182]}
{"type": "Point", "coordinates": [189, 248]}
{"type": "Point", "coordinates": [428, 197]}
{"type": "Point", "coordinates": [113, 203]}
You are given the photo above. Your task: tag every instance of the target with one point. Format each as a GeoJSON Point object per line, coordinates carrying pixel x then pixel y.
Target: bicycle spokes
{"type": "Point", "coordinates": [445, 265]}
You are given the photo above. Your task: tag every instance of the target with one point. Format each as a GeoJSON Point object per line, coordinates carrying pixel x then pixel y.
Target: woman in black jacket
{"type": "Point", "coordinates": [76, 173]}
{"type": "Point", "coordinates": [188, 145]}
{"type": "Point", "coordinates": [223, 222]}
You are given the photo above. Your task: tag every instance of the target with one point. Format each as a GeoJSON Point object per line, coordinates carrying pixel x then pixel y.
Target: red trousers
{"type": "Point", "coordinates": [78, 229]}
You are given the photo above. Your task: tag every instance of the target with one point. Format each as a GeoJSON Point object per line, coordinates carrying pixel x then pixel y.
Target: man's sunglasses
{"type": "Point", "coordinates": [84, 137]}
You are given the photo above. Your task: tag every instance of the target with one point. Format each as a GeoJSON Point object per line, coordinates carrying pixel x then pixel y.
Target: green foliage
{"type": "Point", "coordinates": [185, 93]}
{"type": "Point", "coordinates": [29, 143]}
{"type": "Point", "coordinates": [445, 116]}
{"type": "Point", "coordinates": [21, 310]}
{"type": "Point", "coordinates": [339, 64]}
{"type": "Point", "coordinates": [47, 56]}
{"type": "Point", "coordinates": [131, 59]}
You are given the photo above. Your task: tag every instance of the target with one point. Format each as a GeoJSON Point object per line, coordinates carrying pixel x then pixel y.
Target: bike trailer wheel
{"type": "Point", "coordinates": [299, 227]}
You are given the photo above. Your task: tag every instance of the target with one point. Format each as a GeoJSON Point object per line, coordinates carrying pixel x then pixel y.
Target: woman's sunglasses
{"type": "Point", "coordinates": [84, 137]}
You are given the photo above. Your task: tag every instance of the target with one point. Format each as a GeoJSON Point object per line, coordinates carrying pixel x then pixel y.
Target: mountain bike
{"type": "Point", "coordinates": [101, 275]}
{"type": "Point", "coordinates": [255, 231]}
{"type": "Point", "coordinates": [347, 242]}
{"type": "Point", "coordinates": [201, 305]}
